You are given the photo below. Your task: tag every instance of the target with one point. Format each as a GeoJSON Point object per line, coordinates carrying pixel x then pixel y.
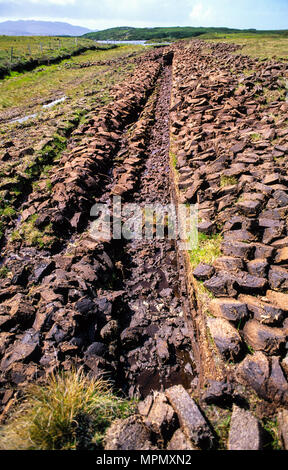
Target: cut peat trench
{"type": "Point", "coordinates": [156, 343]}
{"type": "Point", "coordinates": [135, 310]}
{"type": "Point", "coordinates": [118, 307]}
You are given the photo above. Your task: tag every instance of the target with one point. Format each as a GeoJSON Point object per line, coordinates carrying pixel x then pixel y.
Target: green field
{"type": "Point", "coordinates": [263, 46]}
{"type": "Point", "coordinates": [21, 48]}
{"type": "Point", "coordinates": [18, 53]}
{"type": "Point", "coordinates": [27, 90]}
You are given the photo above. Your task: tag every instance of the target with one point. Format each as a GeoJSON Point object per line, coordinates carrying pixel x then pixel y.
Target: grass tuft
{"type": "Point", "coordinates": [271, 427]}
{"type": "Point", "coordinates": [209, 248]}
{"type": "Point", "coordinates": [3, 272]}
{"type": "Point", "coordinates": [274, 95]}
{"type": "Point", "coordinates": [255, 137]}
{"type": "Point", "coordinates": [32, 236]}
{"type": "Point", "coordinates": [227, 181]}
{"type": "Point", "coordinates": [204, 297]}
{"type": "Point", "coordinates": [222, 428]}
{"type": "Point", "coordinates": [71, 412]}
{"type": "Point", "coordinates": [174, 159]}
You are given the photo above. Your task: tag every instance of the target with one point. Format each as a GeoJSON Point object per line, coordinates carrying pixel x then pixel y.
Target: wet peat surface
{"type": "Point", "coordinates": [155, 295]}
{"type": "Point", "coordinates": [156, 349]}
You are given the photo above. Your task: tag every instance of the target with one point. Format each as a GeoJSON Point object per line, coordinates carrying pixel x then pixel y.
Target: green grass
{"type": "Point", "coordinates": [49, 185]}
{"type": "Point", "coordinates": [262, 46]}
{"type": "Point", "coordinates": [32, 236]}
{"type": "Point", "coordinates": [48, 154]}
{"type": "Point", "coordinates": [255, 137]}
{"type": "Point", "coordinates": [174, 159]}
{"type": "Point", "coordinates": [7, 213]}
{"type": "Point", "coordinates": [29, 170]}
{"type": "Point", "coordinates": [271, 427]}
{"type": "Point", "coordinates": [222, 428]}
{"type": "Point", "coordinates": [227, 181]}
{"type": "Point", "coordinates": [250, 349]}
{"type": "Point", "coordinates": [37, 47]}
{"type": "Point", "coordinates": [3, 272]}
{"type": "Point", "coordinates": [275, 95]}
{"type": "Point", "coordinates": [31, 87]}
{"type": "Point", "coordinates": [204, 297]}
{"type": "Point", "coordinates": [70, 412]}
{"type": "Point", "coordinates": [207, 251]}
{"type": "Point", "coordinates": [248, 72]}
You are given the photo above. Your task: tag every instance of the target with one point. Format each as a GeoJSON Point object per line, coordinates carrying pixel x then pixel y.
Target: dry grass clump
{"type": "Point", "coordinates": [72, 411]}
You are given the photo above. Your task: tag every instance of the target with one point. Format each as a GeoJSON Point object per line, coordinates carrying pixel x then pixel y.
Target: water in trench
{"type": "Point", "coordinates": [45, 106]}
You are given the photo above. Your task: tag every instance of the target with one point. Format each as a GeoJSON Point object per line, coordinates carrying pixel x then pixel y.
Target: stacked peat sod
{"type": "Point", "coordinates": [212, 121]}
{"type": "Point", "coordinates": [230, 139]}
{"type": "Point", "coordinates": [57, 306]}
{"type": "Point", "coordinates": [78, 178]}
{"type": "Point", "coordinates": [174, 421]}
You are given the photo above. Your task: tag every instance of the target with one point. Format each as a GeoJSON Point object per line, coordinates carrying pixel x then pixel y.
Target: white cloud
{"type": "Point", "coordinates": [101, 14]}
{"type": "Point", "coordinates": [61, 2]}
{"type": "Point", "coordinates": [41, 2]}
{"type": "Point", "coordinates": [200, 12]}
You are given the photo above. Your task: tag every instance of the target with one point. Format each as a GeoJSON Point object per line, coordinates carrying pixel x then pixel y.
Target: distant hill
{"type": "Point", "coordinates": [40, 28]}
{"type": "Point", "coordinates": [127, 33]}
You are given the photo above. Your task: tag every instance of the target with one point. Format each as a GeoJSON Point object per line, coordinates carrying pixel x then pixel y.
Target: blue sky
{"type": "Point", "coordinates": [101, 14]}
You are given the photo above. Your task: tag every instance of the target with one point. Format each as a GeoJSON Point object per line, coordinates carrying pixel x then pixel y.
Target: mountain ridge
{"type": "Point", "coordinates": [40, 28]}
